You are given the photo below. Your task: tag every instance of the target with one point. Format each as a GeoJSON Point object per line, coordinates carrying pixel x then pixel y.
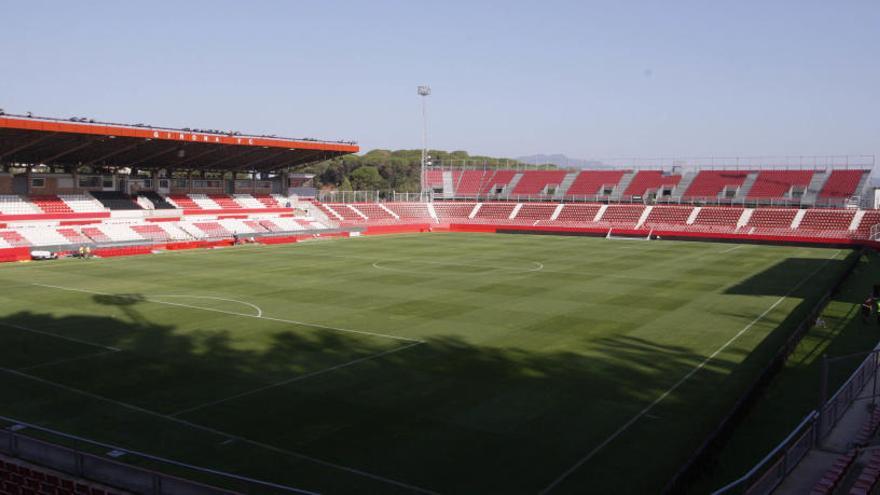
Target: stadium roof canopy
{"type": "Point", "coordinates": [76, 142]}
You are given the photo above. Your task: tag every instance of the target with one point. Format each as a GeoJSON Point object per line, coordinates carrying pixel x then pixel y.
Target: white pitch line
{"type": "Point", "coordinates": [294, 379]}
{"type": "Point", "coordinates": [243, 315]}
{"type": "Point", "coordinates": [57, 336]}
{"type": "Point", "coordinates": [677, 384]}
{"type": "Point", "coordinates": [185, 296]}
{"type": "Point", "coordinates": [733, 248]}
{"type": "Point", "coordinates": [65, 361]}
{"type": "Point", "coordinates": [217, 432]}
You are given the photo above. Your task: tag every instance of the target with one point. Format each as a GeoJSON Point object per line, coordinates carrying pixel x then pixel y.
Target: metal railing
{"type": "Point", "coordinates": [771, 471]}
{"type": "Point", "coordinates": [76, 461]}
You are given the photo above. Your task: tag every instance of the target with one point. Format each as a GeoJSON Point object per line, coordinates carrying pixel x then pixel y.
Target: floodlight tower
{"type": "Point", "coordinates": [424, 91]}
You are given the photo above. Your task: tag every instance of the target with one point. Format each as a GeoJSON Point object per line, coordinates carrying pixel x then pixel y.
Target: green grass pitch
{"type": "Point", "coordinates": [445, 363]}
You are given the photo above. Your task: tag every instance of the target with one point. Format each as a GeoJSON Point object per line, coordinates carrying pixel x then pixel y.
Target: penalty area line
{"type": "Point", "coordinates": [647, 409]}
{"type": "Point", "coordinates": [242, 315]}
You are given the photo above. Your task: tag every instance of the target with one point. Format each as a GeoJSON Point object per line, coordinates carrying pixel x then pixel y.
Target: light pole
{"type": "Point", "coordinates": [424, 91]}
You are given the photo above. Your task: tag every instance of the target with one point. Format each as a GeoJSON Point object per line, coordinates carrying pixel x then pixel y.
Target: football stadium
{"type": "Point", "coordinates": [215, 326]}
{"type": "Point", "coordinates": [190, 309]}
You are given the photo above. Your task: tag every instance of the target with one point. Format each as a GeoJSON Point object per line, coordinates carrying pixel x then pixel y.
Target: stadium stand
{"type": "Point", "coordinates": [453, 211]}
{"type": "Point", "coordinates": [115, 200]}
{"type": "Point", "coordinates": [81, 203]}
{"type": "Point", "coordinates": [50, 204]}
{"type": "Point", "coordinates": [13, 238]}
{"type": "Point", "coordinates": [536, 182]}
{"type": "Point", "coordinates": [842, 184]}
{"type": "Point", "coordinates": [827, 223]}
{"type": "Point", "coordinates": [710, 184]}
{"type": "Point", "coordinates": [594, 182]}
{"type": "Point", "coordinates": [771, 221]}
{"type": "Point", "coordinates": [248, 201]}
{"type": "Point", "coordinates": [780, 184]}
{"type": "Point", "coordinates": [19, 478]}
{"type": "Point", "coordinates": [73, 236]}
{"type": "Point", "coordinates": [374, 212]}
{"type": "Point", "coordinates": [668, 218]}
{"type": "Point", "coordinates": [497, 181]}
{"type": "Point", "coordinates": [223, 201]}
{"type": "Point", "coordinates": [577, 213]}
{"type": "Point", "coordinates": [96, 235]}
{"type": "Point", "coordinates": [530, 212]}
{"type": "Point", "coordinates": [646, 181]}
{"type": "Point", "coordinates": [494, 212]}
{"type": "Point", "coordinates": [15, 205]}
{"type": "Point", "coordinates": [470, 182]}
{"type": "Point", "coordinates": [159, 202]}
{"type": "Point", "coordinates": [622, 215]}
{"type": "Point", "coordinates": [717, 219]}
{"type": "Point", "coordinates": [182, 201]}
{"type": "Point", "coordinates": [407, 211]}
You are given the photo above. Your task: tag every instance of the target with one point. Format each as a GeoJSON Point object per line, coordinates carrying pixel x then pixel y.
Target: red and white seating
{"type": "Point", "coordinates": [577, 213]}
{"type": "Point", "coordinates": [248, 201]}
{"type": "Point", "coordinates": [41, 236]}
{"type": "Point", "coordinates": [73, 236]}
{"type": "Point", "coordinates": [15, 205]}
{"type": "Point", "coordinates": [470, 182]}
{"type": "Point", "coordinates": [223, 201]}
{"type": "Point", "coordinates": [625, 216]}
{"type": "Point", "coordinates": [842, 184]}
{"type": "Point", "coordinates": [709, 184]}
{"type": "Point", "coordinates": [50, 204]}
{"type": "Point", "coordinates": [535, 182]}
{"type": "Point", "coordinates": [82, 203]}
{"type": "Point", "coordinates": [532, 212]}
{"type": "Point", "coordinates": [375, 213]}
{"type": "Point", "coordinates": [182, 201]}
{"type": "Point", "coordinates": [450, 211]}
{"type": "Point", "coordinates": [13, 238]}
{"type": "Point", "coordinates": [827, 223]}
{"type": "Point", "coordinates": [770, 221]}
{"type": "Point", "coordinates": [410, 211]}
{"type": "Point", "coordinates": [779, 184]}
{"type": "Point", "coordinates": [668, 217]}
{"type": "Point", "coordinates": [589, 183]}
{"type": "Point", "coordinates": [717, 219]}
{"type": "Point", "coordinates": [494, 212]}
{"type": "Point", "coordinates": [650, 180]}
{"type": "Point", "coordinates": [497, 179]}
{"type": "Point", "coordinates": [19, 478]}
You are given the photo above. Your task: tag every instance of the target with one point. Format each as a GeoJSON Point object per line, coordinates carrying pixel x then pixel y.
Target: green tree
{"type": "Point", "coordinates": [367, 179]}
{"type": "Point", "coordinates": [346, 185]}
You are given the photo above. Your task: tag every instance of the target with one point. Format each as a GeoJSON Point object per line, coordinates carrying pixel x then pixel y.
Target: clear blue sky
{"type": "Point", "coordinates": [588, 79]}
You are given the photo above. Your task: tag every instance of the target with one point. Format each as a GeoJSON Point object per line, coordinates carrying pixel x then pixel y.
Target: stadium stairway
{"type": "Point", "coordinates": [817, 181]}
{"type": "Point", "coordinates": [623, 185]}
{"type": "Point", "coordinates": [566, 183]}
{"type": "Point", "coordinates": [116, 200]}
{"type": "Point", "coordinates": [746, 187]}
{"type": "Point", "coordinates": [159, 202]}
{"type": "Point", "coordinates": [686, 179]}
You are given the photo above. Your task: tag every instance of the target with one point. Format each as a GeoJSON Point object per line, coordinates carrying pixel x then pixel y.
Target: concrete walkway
{"type": "Point", "coordinates": [811, 468]}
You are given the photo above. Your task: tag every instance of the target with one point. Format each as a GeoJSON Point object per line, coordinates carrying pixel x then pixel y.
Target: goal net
{"type": "Point", "coordinates": [611, 236]}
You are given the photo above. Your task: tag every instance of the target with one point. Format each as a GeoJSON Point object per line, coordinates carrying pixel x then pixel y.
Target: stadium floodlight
{"type": "Point", "coordinates": [424, 91]}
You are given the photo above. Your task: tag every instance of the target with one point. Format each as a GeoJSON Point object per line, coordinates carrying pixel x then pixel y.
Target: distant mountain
{"type": "Point", "coordinates": [561, 160]}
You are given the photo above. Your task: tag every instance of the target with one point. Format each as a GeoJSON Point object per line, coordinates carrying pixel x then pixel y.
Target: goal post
{"type": "Point", "coordinates": [610, 236]}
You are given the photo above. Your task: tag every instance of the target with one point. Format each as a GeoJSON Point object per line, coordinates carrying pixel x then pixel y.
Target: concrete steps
{"type": "Point", "coordinates": [565, 184]}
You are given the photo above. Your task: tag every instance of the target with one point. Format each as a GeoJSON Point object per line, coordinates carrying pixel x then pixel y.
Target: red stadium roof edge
{"type": "Point", "coordinates": [75, 142]}
{"type": "Point", "coordinates": [149, 132]}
